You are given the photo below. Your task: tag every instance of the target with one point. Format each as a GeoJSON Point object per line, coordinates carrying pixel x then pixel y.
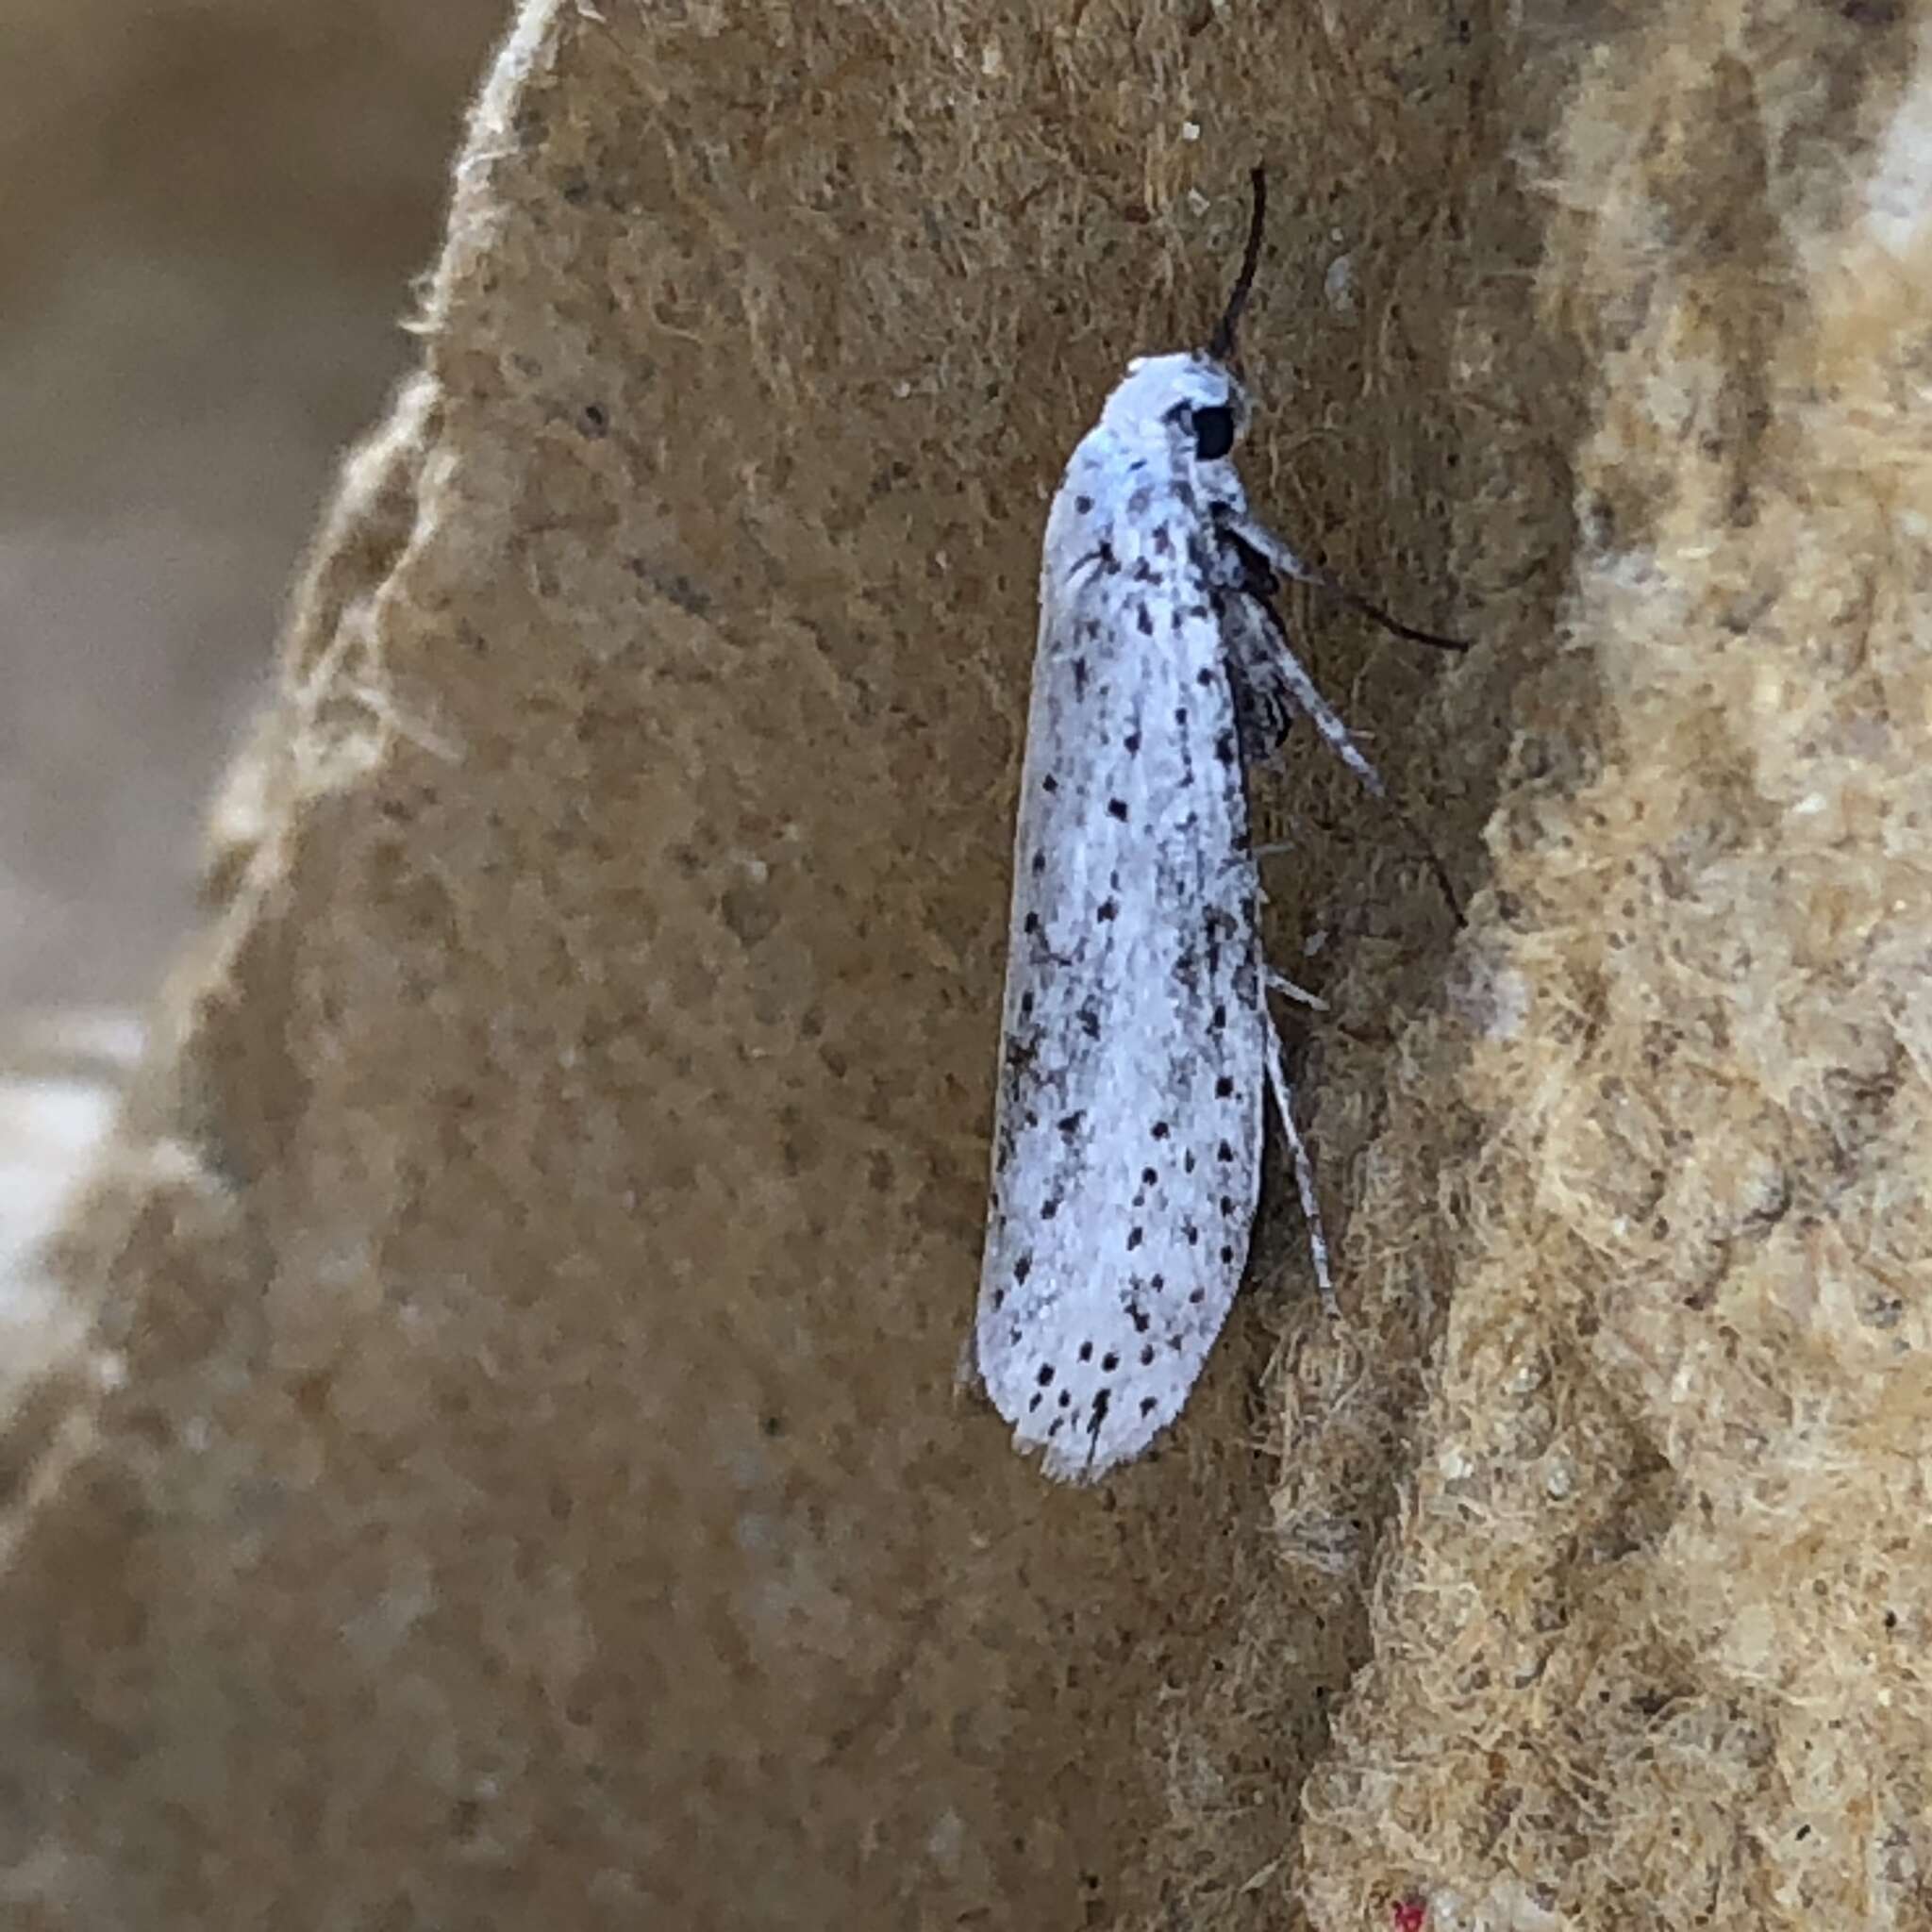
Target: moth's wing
{"type": "Point", "coordinates": [1264, 704]}
{"type": "Point", "coordinates": [1128, 1133]}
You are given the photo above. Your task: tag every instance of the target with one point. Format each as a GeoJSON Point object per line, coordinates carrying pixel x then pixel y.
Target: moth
{"type": "Point", "coordinates": [1136, 1039]}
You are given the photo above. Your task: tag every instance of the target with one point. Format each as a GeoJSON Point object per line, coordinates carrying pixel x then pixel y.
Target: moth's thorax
{"type": "Point", "coordinates": [1142, 407]}
{"type": "Point", "coordinates": [1138, 468]}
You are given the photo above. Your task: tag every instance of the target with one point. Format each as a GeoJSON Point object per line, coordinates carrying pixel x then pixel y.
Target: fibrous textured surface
{"type": "Point", "coordinates": [513, 1474]}
{"type": "Point", "coordinates": [1649, 1636]}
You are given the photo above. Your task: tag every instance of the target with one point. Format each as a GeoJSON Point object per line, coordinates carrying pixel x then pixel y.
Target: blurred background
{"type": "Point", "coordinates": [211, 215]}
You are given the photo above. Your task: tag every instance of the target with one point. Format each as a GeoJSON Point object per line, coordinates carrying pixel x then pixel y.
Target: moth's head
{"type": "Point", "coordinates": [1188, 406]}
{"type": "Point", "coordinates": [1191, 406]}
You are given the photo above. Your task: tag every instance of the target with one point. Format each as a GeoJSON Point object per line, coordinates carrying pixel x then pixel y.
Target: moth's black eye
{"type": "Point", "coordinates": [1213, 433]}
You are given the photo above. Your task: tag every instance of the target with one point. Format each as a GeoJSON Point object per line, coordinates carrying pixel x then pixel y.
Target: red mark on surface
{"type": "Point", "coordinates": [1407, 1914]}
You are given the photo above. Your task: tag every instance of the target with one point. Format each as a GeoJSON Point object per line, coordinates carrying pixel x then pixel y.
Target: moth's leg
{"type": "Point", "coordinates": [1277, 556]}
{"type": "Point", "coordinates": [1304, 1168]}
{"type": "Point", "coordinates": [1248, 618]}
{"type": "Point", "coordinates": [1297, 690]}
{"type": "Point", "coordinates": [967, 1380]}
{"type": "Point", "coordinates": [1280, 982]}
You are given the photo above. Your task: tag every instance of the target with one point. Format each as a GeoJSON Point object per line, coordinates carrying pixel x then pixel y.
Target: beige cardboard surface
{"type": "Point", "coordinates": [518, 1478]}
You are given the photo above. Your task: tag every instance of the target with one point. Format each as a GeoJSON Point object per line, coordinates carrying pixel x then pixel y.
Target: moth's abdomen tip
{"type": "Point", "coordinates": [1083, 1462]}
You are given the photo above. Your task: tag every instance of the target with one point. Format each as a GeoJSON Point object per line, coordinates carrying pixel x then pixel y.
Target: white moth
{"type": "Point", "coordinates": [1135, 1037]}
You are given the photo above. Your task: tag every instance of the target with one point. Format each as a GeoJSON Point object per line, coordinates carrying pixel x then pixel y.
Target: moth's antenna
{"type": "Point", "coordinates": [1333, 587]}
{"type": "Point", "coordinates": [1221, 343]}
